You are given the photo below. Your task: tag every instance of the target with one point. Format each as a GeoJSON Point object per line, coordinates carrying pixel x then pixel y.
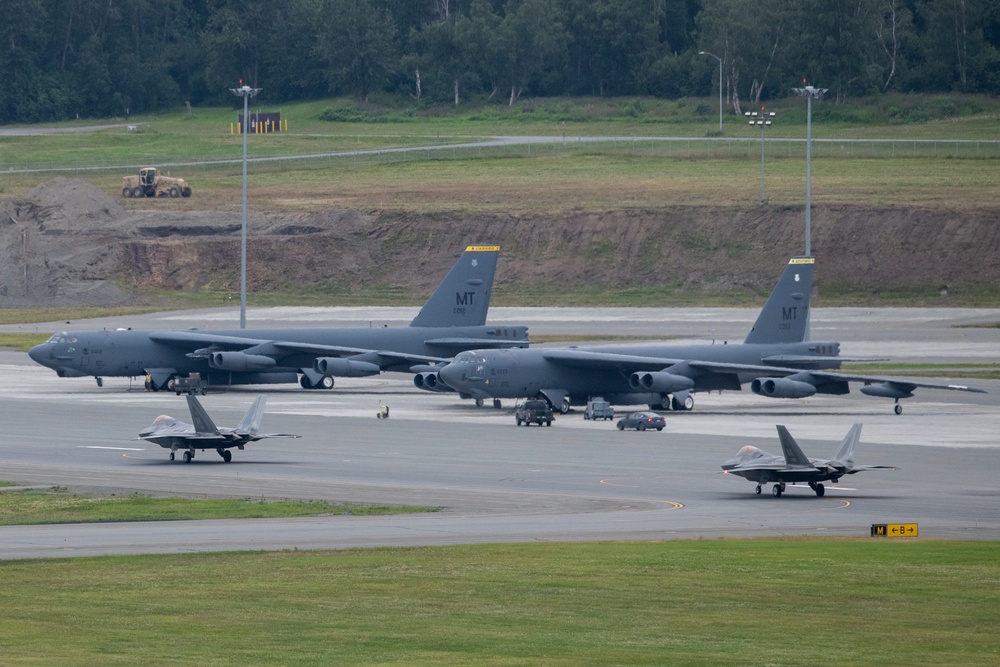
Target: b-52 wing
{"type": "Point", "coordinates": [774, 381]}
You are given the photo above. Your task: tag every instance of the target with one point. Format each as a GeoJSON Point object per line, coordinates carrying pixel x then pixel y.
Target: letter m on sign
{"type": "Point", "coordinates": [464, 298]}
{"type": "Point", "coordinates": [789, 313]}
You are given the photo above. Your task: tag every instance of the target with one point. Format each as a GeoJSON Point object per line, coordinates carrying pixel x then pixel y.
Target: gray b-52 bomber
{"type": "Point", "coordinates": [776, 358]}
{"type": "Point", "coordinates": [175, 435]}
{"type": "Point", "coordinates": [452, 320]}
{"type": "Point", "coordinates": [794, 466]}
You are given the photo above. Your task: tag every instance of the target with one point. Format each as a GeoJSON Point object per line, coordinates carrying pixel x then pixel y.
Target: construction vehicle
{"type": "Point", "coordinates": [151, 184]}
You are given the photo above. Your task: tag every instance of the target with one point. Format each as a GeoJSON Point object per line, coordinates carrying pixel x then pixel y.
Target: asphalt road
{"type": "Point", "coordinates": [496, 482]}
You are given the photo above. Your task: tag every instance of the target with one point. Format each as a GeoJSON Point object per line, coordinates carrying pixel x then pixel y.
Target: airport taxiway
{"type": "Point", "coordinates": [495, 482]}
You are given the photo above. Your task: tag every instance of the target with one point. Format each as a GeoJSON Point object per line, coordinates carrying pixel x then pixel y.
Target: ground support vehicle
{"type": "Point", "coordinates": [535, 411]}
{"type": "Point", "coordinates": [149, 183]}
{"type": "Point", "coordinates": [598, 408]}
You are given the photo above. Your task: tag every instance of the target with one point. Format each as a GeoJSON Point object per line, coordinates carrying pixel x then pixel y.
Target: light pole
{"type": "Point", "coordinates": [246, 92]}
{"type": "Point", "coordinates": [762, 120]}
{"type": "Point", "coordinates": [706, 53]}
{"type": "Point", "coordinates": [809, 93]}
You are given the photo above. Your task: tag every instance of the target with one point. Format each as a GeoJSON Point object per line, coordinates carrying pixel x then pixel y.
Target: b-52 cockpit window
{"type": "Point", "coordinates": [62, 337]}
{"type": "Point", "coordinates": [469, 358]}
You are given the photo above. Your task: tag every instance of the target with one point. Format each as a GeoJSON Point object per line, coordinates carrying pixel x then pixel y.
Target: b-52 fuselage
{"type": "Point", "coordinates": [452, 320]}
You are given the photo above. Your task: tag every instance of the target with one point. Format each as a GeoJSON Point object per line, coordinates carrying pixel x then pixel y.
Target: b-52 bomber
{"type": "Point", "coordinates": [176, 435]}
{"type": "Point", "coordinates": [452, 320]}
{"type": "Point", "coordinates": [776, 358]}
{"type": "Point", "coordinates": [794, 466]}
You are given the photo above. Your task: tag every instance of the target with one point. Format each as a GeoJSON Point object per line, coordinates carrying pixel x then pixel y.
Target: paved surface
{"type": "Point", "coordinates": [495, 482]}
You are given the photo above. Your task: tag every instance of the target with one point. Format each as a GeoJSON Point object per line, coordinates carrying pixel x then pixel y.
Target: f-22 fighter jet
{"type": "Point", "coordinates": [175, 435]}
{"type": "Point", "coordinates": [762, 467]}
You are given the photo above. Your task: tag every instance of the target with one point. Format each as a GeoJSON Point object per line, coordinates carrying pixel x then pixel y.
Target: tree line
{"type": "Point", "coordinates": [97, 58]}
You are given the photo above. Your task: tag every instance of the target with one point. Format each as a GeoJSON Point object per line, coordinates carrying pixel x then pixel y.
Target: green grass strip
{"type": "Point", "coordinates": [31, 506]}
{"type": "Point", "coordinates": [718, 602]}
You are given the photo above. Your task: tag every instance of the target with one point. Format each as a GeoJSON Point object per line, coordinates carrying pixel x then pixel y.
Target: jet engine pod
{"type": "Point", "coordinates": [430, 381]}
{"type": "Point", "coordinates": [886, 390]}
{"type": "Point", "coordinates": [782, 388]}
{"type": "Point", "coordinates": [346, 368]}
{"type": "Point", "coordinates": [661, 381]}
{"type": "Point", "coordinates": [240, 361]}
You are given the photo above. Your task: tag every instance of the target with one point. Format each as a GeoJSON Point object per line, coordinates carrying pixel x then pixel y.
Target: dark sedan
{"type": "Point", "coordinates": [642, 421]}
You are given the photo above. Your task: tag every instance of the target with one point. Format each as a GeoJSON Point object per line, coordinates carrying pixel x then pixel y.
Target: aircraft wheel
{"type": "Point", "coordinates": [565, 407]}
{"type": "Point", "coordinates": [621, 426]}
{"type": "Point", "coordinates": [188, 456]}
{"type": "Point", "coordinates": [898, 409]}
{"type": "Point", "coordinates": [479, 402]}
{"type": "Point", "coordinates": [326, 382]}
{"type": "Point", "coordinates": [757, 491]}
{"type": "Point", "coordinates": [776, 491]}
{"type": "Point", "coordinates": [689, 403]}
{"type": "Point", "coordinates": [305, 383]}
{"type": "Point", "coordinates": [227, 455]}
{"type": "Point", "coordinates": [496, 404]}
{"type": "Point", "coordinates": [171, 456]}
{"type": "Point", "coordinates": [820, 490]}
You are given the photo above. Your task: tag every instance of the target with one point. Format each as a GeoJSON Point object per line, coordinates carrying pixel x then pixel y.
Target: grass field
{"type": "Point", "coordinates": [719, 602]}
{"type": "Point", "coordinates": [56, 505]}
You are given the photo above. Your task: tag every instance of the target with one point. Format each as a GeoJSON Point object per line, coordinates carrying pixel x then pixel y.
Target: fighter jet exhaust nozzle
{"type": "Point", "coordinates": [660, 382]}
{"type": "Point", "coordinates": [782, 388]}
{"type": "Point", "coordinates": [240, 361]}
{"type": "Point", "coordinates": [347, 368]}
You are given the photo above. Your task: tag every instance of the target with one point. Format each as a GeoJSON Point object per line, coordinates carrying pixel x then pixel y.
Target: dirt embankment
{"type": "Point", "coordinates": [68, 242]}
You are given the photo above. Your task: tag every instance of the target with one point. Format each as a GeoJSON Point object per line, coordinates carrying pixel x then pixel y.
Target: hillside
{"type": "Point", "coordinates": [70, 243]}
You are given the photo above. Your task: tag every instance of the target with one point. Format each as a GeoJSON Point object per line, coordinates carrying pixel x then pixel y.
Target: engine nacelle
{"type": "Point", "coordinates": [240, 361]}
{"type": "Point", "coordinates": [430, 381]}
{"type": "Point", "coordinates": [886, 390]}
{"type": "Point", "coordinates": [345, 368]}
{"type": "Point", "coordinates": [782, 388]}
{"type": "Point", "coordinates": [660, 381]}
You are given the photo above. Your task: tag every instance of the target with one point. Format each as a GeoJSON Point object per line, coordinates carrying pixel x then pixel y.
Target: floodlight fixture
{"type": "Point", "coordinates": [810, 93]}
{"type": "Point", "coordinates": [246, 92]}
{"type": "Point", "coordinates": [706, 53]}
{"type": "Point", "coordinates": [763, 120]}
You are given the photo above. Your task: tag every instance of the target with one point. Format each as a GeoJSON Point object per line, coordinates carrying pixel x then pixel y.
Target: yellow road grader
{"type": "Point", "coordinates": [151, 184]}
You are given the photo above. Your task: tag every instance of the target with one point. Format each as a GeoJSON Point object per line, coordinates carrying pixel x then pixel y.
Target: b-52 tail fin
{"type": "Point", "coordinates": [202, 423]}
{"type": "Point", "coordinates": [785, 316]}
{"type": "Point", "coordinates": [794, 456]}
{"type": "Point", "coordinates": [250, 423]}
{"type": "Point", "coordinates": [845, 455]}
{"type": "Point", "coordinates": [463, 297]}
